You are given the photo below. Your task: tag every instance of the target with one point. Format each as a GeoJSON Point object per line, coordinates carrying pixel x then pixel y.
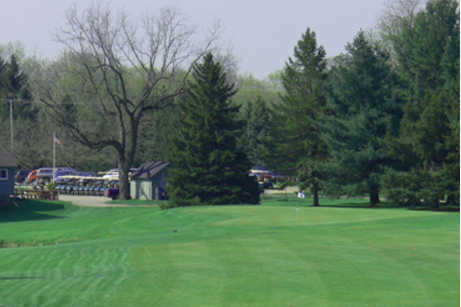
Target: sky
{"type": "Point", "coordinates": [261, 34]}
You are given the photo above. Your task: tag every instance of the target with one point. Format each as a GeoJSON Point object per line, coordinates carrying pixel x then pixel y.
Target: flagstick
{"type": "Point", "coordinates": [54, 155]}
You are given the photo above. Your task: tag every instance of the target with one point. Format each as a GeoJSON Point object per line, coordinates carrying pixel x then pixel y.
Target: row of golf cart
{"type": "Point", "coordinates": [70, 181]}
{"type": "Point", "coordinates": [91, 186]}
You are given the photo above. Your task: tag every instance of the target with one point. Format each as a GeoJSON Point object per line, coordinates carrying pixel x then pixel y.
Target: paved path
{"type": "Point", "coordinates": [100, 201]}
{"type": "Point", "coordinates": [289, 190]}
{"type": "Point", "coordinates": [94, 201]}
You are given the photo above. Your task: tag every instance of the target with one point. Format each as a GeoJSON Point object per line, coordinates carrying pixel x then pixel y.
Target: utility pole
{"type": "Point", "coordinates": [10, 100]}
{"type": "Point", "coordinates": [54, 156]}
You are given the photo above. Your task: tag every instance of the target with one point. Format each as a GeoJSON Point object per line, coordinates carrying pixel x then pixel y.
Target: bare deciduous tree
{"type": "Point", "coordinates": [113, 72]}
{"type": "Point", "coordinates": [398, 17]}
{"type": "Point", "coordinates": [397, 13]}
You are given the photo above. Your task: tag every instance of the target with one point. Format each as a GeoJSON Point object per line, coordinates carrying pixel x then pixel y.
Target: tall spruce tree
{"type": "Point", "coordinates": [303, 103]}
{"type": "Point", "coordinates": [364, 111]}
{"type": "Point", "coordinates": [208, 167]}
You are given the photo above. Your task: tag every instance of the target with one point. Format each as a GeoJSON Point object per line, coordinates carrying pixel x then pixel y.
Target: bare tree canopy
{"type": "Point", "coordinates": [398, 12]}
{"type": "Point", "coordinates": [115, 70]}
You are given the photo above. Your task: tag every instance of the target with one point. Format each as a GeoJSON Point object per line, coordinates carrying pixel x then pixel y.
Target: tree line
{"type": "Point", "coordinates": [381, 119]}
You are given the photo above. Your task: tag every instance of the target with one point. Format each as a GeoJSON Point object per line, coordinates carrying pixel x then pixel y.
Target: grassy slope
{"type": "Point", "coordinates": [278, 254]}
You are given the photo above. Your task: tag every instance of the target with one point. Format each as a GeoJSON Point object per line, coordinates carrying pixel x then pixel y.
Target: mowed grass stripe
{"type": "Point", "coordinates": [366, 245]}
{"type": "Point", "coordinates": [166, 275]}
{"type": "Point", "coordinates": [363, 270]}
{"type": "Point", "coordinates": [151, 277]}
{"type": "Point", "coordinates": [200, 275]}
{"type": "Point", "coordinates": [244, 272]}
{"type": "Point", "coordinates": [261, 272]}
{"type": "Point", "coordinates": [364, 266]}
{"type": "Point", "coordinates": [61, 276]}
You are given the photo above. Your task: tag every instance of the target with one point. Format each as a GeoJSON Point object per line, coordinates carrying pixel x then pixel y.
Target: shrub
{"type": "Point", "coordinates": [51, 186]}
{"type": "Point", "coordinates": [174, 203]}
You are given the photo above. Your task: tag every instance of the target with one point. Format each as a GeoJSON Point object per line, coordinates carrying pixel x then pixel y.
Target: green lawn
{"type": "Point", "coordinates": [134, 202]}
{"type": "Point", "coordinates": [282, 253]}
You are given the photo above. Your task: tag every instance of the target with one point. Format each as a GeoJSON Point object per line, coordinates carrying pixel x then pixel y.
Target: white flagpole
{"type": "Point", "coordinates": [54, 155]}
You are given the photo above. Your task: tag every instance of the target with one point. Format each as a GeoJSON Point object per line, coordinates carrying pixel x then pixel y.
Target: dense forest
{"type": "Point", "coordinates": [381, 119]}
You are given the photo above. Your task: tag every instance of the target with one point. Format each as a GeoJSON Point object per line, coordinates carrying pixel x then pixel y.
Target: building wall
{"type": "Point", "coordinates": [141, 189]}
{"type": "Point", "coordinates": [7, 186]}
{"type": "Point", "coordinates": [146, 188]}
{"type": "Point", "coordinates": [160, 179]}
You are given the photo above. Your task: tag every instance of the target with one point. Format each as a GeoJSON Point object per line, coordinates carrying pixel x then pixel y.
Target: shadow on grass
{"type": "Point", "coordinates": [441, 209]}
{"type": "Point", "coordinates": [134, 202]}
{"type": "Point", "coordinates": [381, 205]}
{"type": "Point", "coordinates": [20, 277]}
{"type": "Point", "coordinates": [353, 202]}
{"type": "Point", "coordinates": [326, 205]}
{"type": "Point", "coordinates": [30, 210]}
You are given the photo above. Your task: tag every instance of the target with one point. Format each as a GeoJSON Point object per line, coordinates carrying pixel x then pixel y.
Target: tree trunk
{"type": "Point", "coordinates": [315, 192]}
{"type": "Point", "coordinates": [435, 202]}
{"type": "Point", "coordinates": [124, 185]}
{"type": "Point", "coordinates": [374, 196]}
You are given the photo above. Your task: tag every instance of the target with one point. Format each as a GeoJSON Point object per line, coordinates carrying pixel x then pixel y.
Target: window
{"type": "Point", "coordinates": [3, 174]}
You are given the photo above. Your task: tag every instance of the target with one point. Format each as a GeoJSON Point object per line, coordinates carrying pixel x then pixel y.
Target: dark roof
{"type": "Point", "coordinates": [7, 159]}
{"type": "Point", "coordinates": [149, 169]}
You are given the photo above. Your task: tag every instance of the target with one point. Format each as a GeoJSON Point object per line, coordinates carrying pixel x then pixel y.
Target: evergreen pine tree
{"type": "Point", "coordinates": [363, 112]}
{"type": "Point", "coordinates": [301, 147]}
{"type": "Point", "coordinates": [428, 142]}
{"type": "Point", "coordinates": [208, 167]}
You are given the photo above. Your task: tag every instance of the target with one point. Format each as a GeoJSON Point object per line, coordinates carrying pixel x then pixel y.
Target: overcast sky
{"type": "Point", "coordinates": [262, 33]}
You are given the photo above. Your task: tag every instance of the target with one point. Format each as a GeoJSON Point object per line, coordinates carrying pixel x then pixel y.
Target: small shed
{"type": "Point", "coordinates": [8, 166]}
{"type": "Point", "coordinates": [149, 181]}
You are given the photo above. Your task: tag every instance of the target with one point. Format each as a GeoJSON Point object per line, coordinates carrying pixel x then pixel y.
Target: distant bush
{"type": "Point", "coordinates": [417, 188]}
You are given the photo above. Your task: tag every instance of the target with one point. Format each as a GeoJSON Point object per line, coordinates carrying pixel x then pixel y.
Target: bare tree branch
{"type": "Point", "coordinates": [115, 71]}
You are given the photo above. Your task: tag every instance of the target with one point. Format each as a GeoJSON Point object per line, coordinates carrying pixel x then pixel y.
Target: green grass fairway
{"type": "Point", "coordinates": [277, 254]}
